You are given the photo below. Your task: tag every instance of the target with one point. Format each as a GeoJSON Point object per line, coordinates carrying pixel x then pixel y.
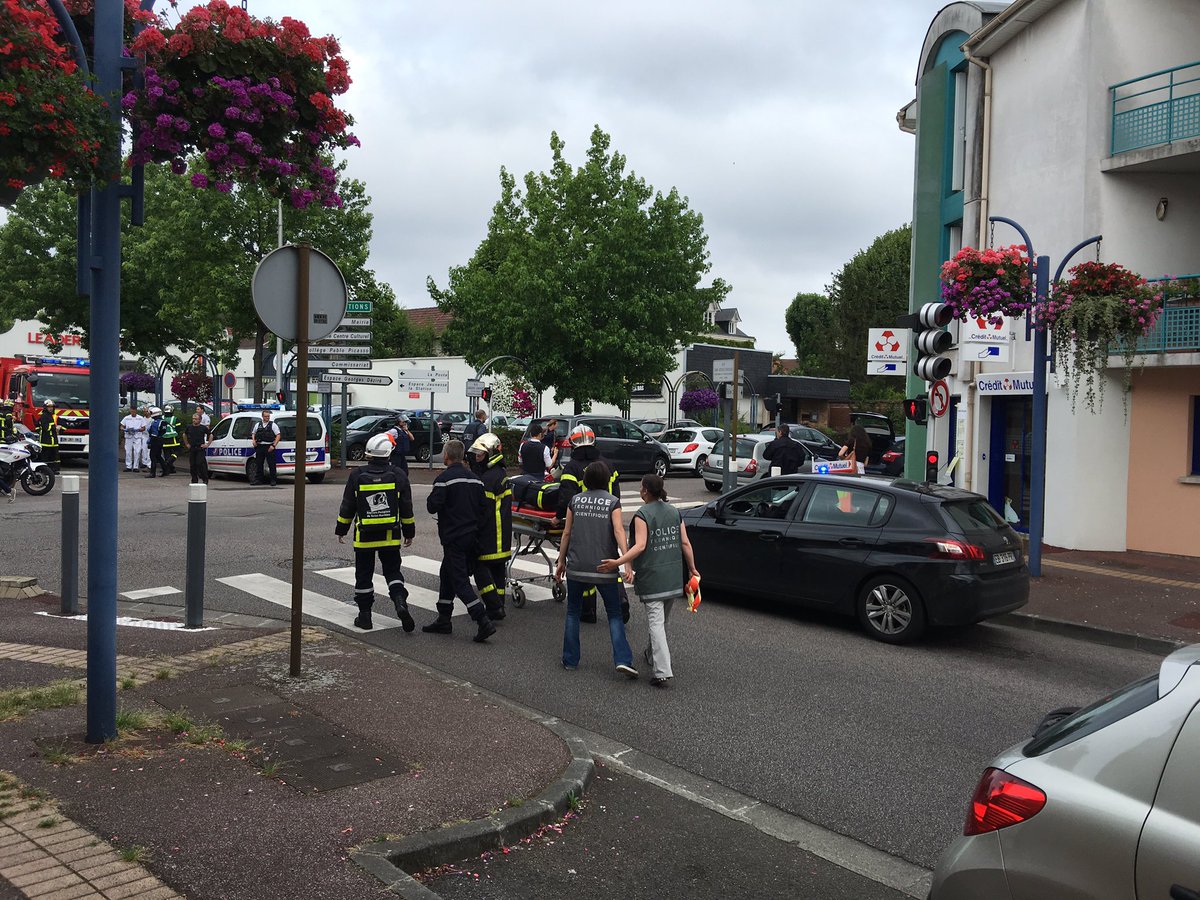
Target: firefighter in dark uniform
{"type": "Point", "coordinates": [170, 438]}
{"type": "Point", "coordinates": [495, 524]}
{"type": "Point", "coordinates": [8, 430]}
{"type": "Point", "coordinates": [456, 499]}
{"type": "Point", "coordinates": [378, 501]}
{"type": "Point", "coordinates": [48, 434]}
{"type": "Point", "coordinates": [570, 483]}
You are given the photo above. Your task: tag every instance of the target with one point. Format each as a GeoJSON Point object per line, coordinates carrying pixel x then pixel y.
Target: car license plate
{"type": "Point", "coordinates": [1003, 559]}
{"type": "Point", "coordinates": [72, 439]}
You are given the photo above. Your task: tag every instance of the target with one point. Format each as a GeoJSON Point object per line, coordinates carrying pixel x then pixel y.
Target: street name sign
{"type": "Point", "coordinates": [425, 381]}
{"type": "Point", "coordinates": [343, 335]}
{"type": "Point", "coordinates": [339, 364]}
{"type": "Point", "coordinates": [337, 378]}
{"type": "Point", "coordinates": [356, 322]}
{"type": "Point", "coordinates": [723, 370]}
{"type": "Point", "coordinates": [359, 306]}
{"type": "Point", "coordinates": [339, 350]}
{"type": "Point", "coordinates": [474, 387]}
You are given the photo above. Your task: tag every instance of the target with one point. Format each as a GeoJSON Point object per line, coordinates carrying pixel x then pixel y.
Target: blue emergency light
{"type": "Point", "coordinates": [823, 468]}
{"type": "Point", "coordinates": [246, 407]}
{"type": "Point", "coordinates": [77, 362]}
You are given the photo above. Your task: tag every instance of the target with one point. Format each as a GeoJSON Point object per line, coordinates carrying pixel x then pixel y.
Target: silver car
{"type": "Point", "coordinates": [1103, 803]}
{"type": "Point", "coordinates": [749, 464]}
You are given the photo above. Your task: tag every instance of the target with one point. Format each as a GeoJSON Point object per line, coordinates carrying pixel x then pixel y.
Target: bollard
{"type": "Point", "coordinates": [196, 526]}
{"type": "Point", "coordinates": [70, 545]}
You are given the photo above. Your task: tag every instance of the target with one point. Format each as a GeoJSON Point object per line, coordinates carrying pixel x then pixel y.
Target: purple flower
{"type": "Point", "coordinates": [200, 180]}
{"type": "Point", "coordinates": [232, 112]}
{"type": "Point", "coordinates": [224, 186]}
{"type": "Point", "coordinates": [216, 130]}
{"type": "Point", "coordinates": [243, 138]}
{"type": "Point", "coordinates": [178, 166]}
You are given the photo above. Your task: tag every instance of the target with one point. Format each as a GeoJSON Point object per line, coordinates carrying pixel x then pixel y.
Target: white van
{"type": "Point", "coordinates": [232, 449]}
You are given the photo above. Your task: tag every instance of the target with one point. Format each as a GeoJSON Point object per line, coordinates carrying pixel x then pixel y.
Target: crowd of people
{"type": "Point", "coordinates": [154, 438]}
{"type": "Point", "coordinates": [472, 500]}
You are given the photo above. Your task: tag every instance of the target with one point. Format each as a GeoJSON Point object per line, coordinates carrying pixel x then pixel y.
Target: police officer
{"type": "Point", "coordinates": [171, 438]}
{"type": "Point", "coordinates": [157, 434]}
{"type": "Point", "coordinates": [475, 429]}
{"type": "Point", "coordinates": [266, 436]}
{"type": "Point", "coordinates": [495, 524]}
{"type": "Point", "coordinates": [378, 500]}
{"type": "Point", "coordinates": [784, 452]}
{"type": "Point", "coordinates": [401, 443]}
{"type": "Point", "coordinates": [570, 483]}
{"type": "Point", "coordinates": [534, 454]}
{"type": "Point", "coordinates": [456, 499]}
{"type": "Point", "coordinates": [48, 434]}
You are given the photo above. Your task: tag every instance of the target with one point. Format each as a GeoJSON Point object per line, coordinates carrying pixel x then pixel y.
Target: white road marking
{"type": "Point", "coordinates": [532, 591]}
{"type": "Point", "coordinates": [136, 623]}
{"type": "Point", "coordinates": [419, 597]}
{"type": "Point", "coordinates": [316, 605]}
{"type": "Point", "coordinates": [146, 593]}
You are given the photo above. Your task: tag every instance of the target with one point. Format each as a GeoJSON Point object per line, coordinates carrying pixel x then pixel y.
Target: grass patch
{"type": "Point", "coordinates": [514, 802]}
{"type": "Point", "coordinates": [196, 732]}
{"type": "Point", "coordinates": [57, 755]}
{"type": "Point", "coordinates": [33, 793]}
{"type": "Point", "coordinates": [133, 719]}
{"type": "Point", "coordinates": [270, 768]}
{"type": "Point", "coordinates": [574, 801]}
{"type": "Point", "coordinates": [18, 702]}
{"type": "Point", "coordinates": [49, 822]}
{"type": "Point", "coordinates": [237, 746]}
{"type": "Point", "coordinates": [135, 854]}
{"type": "Point", "coordinates": [162, 674]}
{"type": "Point", "coordinates": [128, 682]}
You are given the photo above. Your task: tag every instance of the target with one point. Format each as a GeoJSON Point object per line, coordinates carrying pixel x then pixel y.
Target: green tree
{"type": "Point", "coordinates": [589, 275]}
{"type": "Point", "coordinates": [869, 291]}
{"type": "Point", "coordinates": [810, 325]}
{"type": "Point", "coordinates": [186, 273]}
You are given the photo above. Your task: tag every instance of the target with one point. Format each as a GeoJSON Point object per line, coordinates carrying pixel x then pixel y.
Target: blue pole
{"type": "Point", "coordinates": [1037, 481]}
{"type": "Point", "coordinates": [105, 359]}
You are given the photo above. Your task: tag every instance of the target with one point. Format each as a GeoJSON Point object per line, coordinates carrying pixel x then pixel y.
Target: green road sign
{"type": "Point", "coordinates": [359, 306]}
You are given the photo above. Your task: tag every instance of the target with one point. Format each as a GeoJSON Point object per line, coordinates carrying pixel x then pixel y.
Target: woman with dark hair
{"type": "Point", "coordinates": [593, 532]}
{"type": "Point", "coordinates": [857, 448]}
{"type": "Point", "coordinates": [662, 562]}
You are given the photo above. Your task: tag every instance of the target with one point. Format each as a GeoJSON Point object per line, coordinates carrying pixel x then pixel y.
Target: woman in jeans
{"type": "Point", "coordinates": [661, 555]}
{"type": "Point", "coordinates": [593, 532]}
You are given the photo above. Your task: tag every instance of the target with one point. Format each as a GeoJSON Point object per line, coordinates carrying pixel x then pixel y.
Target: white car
{"type": "Point", "coordinates": [689, 447]}
{"type": "Point", "coordinates": [232, 449]}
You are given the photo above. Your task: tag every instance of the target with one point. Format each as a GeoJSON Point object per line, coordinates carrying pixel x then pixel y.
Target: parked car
{"type": "Point", "coordinates": [897, 554]}
{"type": "Point", "coordinates": [749, 462]}
{"type": "Point", "coordinates": [821, 444]}
{"type": "Point", "coordinates": [879, 429]}
{"type": "Point", "coordinates": [231, 451]}
{"type": "Point", "coordinates": [1103, 802]}
{"type": "Point", "coordinates": [521, 423]}
{"type": "Point", "coordinates": [656, 427]}
{"type": "Point", "coordinates": [368, 426]}
{"type": "Point", "coordinates": [622, 443]}
{"type": "Point", "coordinates": [453, 423]}
{"type": "Point", "coordinates": [892, 461]}
{"type": "Point", "coordinates": [354, 413]}
{"type": "Point", "coordinates": [689, 447]}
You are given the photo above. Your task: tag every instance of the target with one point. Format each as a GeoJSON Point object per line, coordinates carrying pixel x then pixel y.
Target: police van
{"type": "Point", "coordinates": [232, 449]}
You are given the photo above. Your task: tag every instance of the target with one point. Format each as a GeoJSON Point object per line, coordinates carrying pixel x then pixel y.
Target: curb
{"type": "Point", "coordinates": [391, 861]}
{"type": "Point", "coordinates": [1108, 637]}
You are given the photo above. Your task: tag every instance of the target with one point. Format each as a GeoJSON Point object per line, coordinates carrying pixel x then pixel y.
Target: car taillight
{"type": "Point", "coordinates": [1001, 800]}
{"type": "Point", "coordinates": [751, 467]}
{"type": "Point", "coordinates": [690, 447]}
{"type": "Point", "coordinates": [946, 548]}
{"type": "Point", "coordinates": [890, 456]}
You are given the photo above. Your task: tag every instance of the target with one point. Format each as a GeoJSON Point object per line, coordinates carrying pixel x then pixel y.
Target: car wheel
{"type": "Point", "coordinates": [890, 610]}
{"type": "Point", "coordinates": [423, 453]}
{"type": "Point", "coordinates": [356, 452]}
{"type": "Point", "coordinates": [715, 487]}
{"type": "Point", "coordinates": [316, 478]}
{"type": "Point", "coordinates": [662, 466]}
{"type": "Point", "coordinates": [701, 460]}
{"type": "Point", "coordinates": [251, 470]}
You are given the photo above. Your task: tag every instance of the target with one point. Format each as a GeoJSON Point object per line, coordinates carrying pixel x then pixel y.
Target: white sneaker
{"type": "Point", "coordinates": [12, 495]}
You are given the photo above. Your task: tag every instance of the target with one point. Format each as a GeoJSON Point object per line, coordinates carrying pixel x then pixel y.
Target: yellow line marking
{"type": "Point", "coordinates": [1129, 576]}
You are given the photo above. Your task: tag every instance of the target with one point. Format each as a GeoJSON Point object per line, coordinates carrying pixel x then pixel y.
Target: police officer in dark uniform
{"type": "Point", "coordinates": [48, 434]}
{"type": "Point", "coordinates": [378, 500]}
{"type": "Point", "coordinates": [401, 443]}
{"type": "Point", "coordinates": [456, 498]}
{"type": "Point", "coordinates": [534, 454]}
{"type": "Point", "coordinates": [495, 524]}
{"type": "Point", "coordinates": [784, 452]}
{"type": "Point", "coordinates": [570, 483]}
{"type": "Point", "coordinates": [266, 436]}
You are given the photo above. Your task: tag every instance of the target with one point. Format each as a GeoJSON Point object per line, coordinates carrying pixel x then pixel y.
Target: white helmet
{"type": "Point", "coordinates": [380, 446]}
{"type": "Point", "coordinates": [155, 411]}
{"type": "Point", "coordinates": [582, 436]}
{"type": "Point", "coordinates": [486, 443]}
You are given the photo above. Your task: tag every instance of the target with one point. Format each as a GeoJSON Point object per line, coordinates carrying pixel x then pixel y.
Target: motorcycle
{"type": "Point", "coordinates": [20, 461]}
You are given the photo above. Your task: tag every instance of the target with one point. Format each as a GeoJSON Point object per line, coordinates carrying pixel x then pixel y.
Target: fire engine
{"type": "Point", "coordinates": [29, 381]}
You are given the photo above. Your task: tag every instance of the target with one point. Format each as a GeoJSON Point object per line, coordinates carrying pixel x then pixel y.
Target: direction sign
{"type": "Point", "coordinates": [722, 370]}
{"type": "Point", "coordinates": [342, 335]}
{"type": "Point", "coordinates": [359, 306]}
{"type": "Point", "coordinates": [887, 345]}
{"type": "Point", "coordinates": [356, 322]}
{"type": "Point", "coordinates": [340, 364]}
{"type": "Point", "coordinates": [474, 387]}
{"type": "Point", "coordinates": [338, 350]}
{"type": "Point", "coordinates": [425, 381]}
{"type": "Point", "coordinates": [939, 398]}
{"type": "Point", "coordinates": [336, 378]}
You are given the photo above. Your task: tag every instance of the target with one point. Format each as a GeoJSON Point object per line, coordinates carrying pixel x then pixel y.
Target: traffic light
{"type": "Point", "coordinates": [931, 466]}
{"type": "Point", "coordinates": [932, 340]}
{"type": "Point", "coordinates": [772, 403]}
{"type": "Point", "coordinates": [916, 409]}
{"type": "Point", "coordinates": [486, 395]}
{"type": "Point", "coordinates": [281, 398]}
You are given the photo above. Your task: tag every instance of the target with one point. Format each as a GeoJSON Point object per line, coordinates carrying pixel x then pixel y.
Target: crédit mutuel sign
{"type": "Point", "coordinates": [1010, 383]}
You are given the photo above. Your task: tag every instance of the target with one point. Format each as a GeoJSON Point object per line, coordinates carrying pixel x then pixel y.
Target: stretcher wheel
{"type": "Point", "coordinates": [559, 591]}
{"type": "Point", "coordinates": [518, 597]}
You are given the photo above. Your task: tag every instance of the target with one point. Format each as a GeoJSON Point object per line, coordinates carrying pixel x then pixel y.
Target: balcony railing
{"type": "Point", "coordinates": [1177, 328]}
{"type": "Point", "coordinates": [1159, 108]}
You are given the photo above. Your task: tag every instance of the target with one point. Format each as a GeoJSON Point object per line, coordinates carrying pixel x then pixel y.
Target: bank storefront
{"type": "Point", "coordinates": [1006, 404]}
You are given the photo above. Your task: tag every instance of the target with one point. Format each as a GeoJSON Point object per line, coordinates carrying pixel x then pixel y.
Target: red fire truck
{"type": "Point", "coordinates": [29, 381]}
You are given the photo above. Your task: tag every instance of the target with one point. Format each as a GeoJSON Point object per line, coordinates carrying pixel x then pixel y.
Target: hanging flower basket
{"type": "Point", "coordinates": [137, 382]}
{"type": "Point", "coordinates": [699, 401]}
{"type": "Point", "coordinates": [988, 283]}
{"type": "Point", "coordinates": [1101, 310]}
{"type": "Point", "coordinates": [254, 97]}
{"type": "Point", "coordinates": [51, 123]}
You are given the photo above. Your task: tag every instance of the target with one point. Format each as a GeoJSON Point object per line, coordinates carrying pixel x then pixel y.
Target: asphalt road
{"type": "Point", "coordinates": [883, 744]}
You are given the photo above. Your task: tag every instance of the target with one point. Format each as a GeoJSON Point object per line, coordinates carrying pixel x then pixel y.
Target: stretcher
{"type": "Point", "coordinates": [533, 529]}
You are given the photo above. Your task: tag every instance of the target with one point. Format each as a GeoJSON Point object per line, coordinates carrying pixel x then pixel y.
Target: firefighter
{"type": "Point", "coordinates": [48, 434]}
{"type": "Point", "coordinates": [8, 430]}
{"type": "Point", "coordinates": [157, 436]}
{"type": "Point", "coordinates": [378, 500]}
{"type": "Point", "coordinates": [456, 499]}
{"type": "Point", "coordinates": [583, 452]}
{"type": "Point", "coordinates": [495, 524]}
{"type": "Point", "coordinates": [171, 438]}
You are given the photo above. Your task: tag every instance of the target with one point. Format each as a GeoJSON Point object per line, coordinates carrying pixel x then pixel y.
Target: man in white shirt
{"type": "Point", "coordinates": [134, 428]}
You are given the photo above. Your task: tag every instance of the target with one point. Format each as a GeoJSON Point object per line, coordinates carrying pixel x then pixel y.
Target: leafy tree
{"type": "Point", "coordinates": [186, 274]}
{"type": "Point", "coordinates": [589, 272]}
{"type": "Point", "coordinates": [810, 324]}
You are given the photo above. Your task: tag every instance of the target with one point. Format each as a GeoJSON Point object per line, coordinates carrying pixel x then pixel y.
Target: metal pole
{"type": "Point", "coordinates": [105, 337]}
{"type": "Point", "coordinates": [280, 384]}
{"type": "Point", "coordinates": [432, 426]}
{"type": "Point", "coordinates": [726, 476]}
{"type": "Point", "coordinates": [345, 400]}
{"type": "Point", "coordinates": [301, 456]}
{"type": "Point", "coordinates": [197, 526]}
{"type": "Point", "coordinates": [70, 545]}
{"type": "Point", "coordinates": [1037, 481]}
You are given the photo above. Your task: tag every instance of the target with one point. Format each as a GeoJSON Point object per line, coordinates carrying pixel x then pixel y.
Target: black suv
{"type": "Point", "coordinates": [367, 427]}
{"type": "Point", "coordinates": [621, 443]}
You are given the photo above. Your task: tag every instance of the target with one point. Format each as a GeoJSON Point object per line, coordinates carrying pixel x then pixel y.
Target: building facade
{"type": "Point", "coordinates": [1074, 118]}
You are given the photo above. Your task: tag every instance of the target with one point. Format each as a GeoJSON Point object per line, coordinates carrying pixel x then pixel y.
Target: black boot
{"type": "Point", "coordinates": [363, 621]}
{"type": "Point", "coordinates": [486, 629]}
{"type": "Point", "coordinates": [402, 613]}
{"type": "Point", "coordinates": [440, 625]}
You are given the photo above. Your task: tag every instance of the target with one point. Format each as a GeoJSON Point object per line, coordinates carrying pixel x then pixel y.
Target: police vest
{"type": "Point", "coordinates": [264, 434]}
{"type": "Point", "coordinates": [533, 458]}
{"type": "Point", "coordinates": [378, 504]}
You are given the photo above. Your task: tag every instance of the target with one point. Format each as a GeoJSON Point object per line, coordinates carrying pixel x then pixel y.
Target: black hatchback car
{"type": "Point", "coordinates": [621, 443]}
{"type": "Point", "coordinates": [899, 555]}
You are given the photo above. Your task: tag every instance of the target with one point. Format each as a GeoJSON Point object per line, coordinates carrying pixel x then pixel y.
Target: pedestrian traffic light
{"type": "Point", "coordinates": [932, 340]}
{"type": "Point", "coordinates": [931, 466]}
{"type": "Point", "coordinates": [486, 395]}
{"type": "Point", "coordinates": [280, 397]}
{"type": "Point", "coordinates": [916, 409]}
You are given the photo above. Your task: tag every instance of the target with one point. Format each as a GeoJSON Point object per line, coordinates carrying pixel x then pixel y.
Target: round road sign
{"type": "Point", "coordinates": [939, 398]}
{"type": "Point", "coordinates": [230, 380]}
{"type": "Point", "coordinates": [274, 289]}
